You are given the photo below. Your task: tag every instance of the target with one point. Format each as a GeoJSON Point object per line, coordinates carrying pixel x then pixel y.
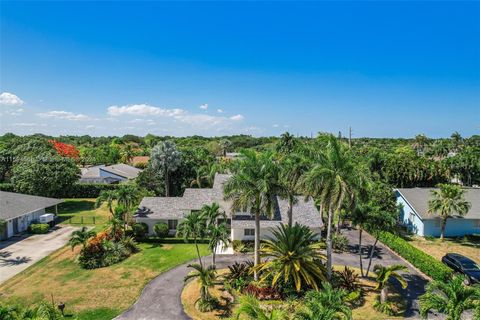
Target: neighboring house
{"type": "Point", "coordinates": [20, 210]}
{"type": "Point", "coordinates": [414, 214]}
{"type": "Point", "coordinates": [108, 174]}
{"type": "Point", "coordinates": [172, 210]}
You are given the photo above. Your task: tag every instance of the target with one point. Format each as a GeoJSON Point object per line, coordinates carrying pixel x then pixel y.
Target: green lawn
{"type": "Point", "coordinates": [82, 212]}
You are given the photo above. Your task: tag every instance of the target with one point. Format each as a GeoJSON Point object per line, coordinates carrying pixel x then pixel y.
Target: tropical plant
{"type": "Point", "coordinates": [207, 278]}
{"type": "Point", "coordinates": [108, 197]}
{"type": "Point", "coordinates": [81, 237]}
{"type": "Point", "coordinates": [292, 253]}
{"type": "Point", "coordinates": [212, 213]}
{"type": "Point", "coordinates": [446, 201]}
{"type": "Point", "coordinates": [348, 279]}
{"type": "Point", "coordinates": [452, 298]}
{"type": "Point", "coordinates": [161, 229]}
{"type": "Point", "coordinates": [286, 144]}
{"type": "Point", "coordinates": [165, 159]}
{"type": "Point", "coordinates": [239, 274]}
{"type": "Point", "coordinates": [127, 195]}
{"type": "Point", "coordinates": [225, 145]}
{"type": "Point", "coordinates": [193, 226]}
{"type": "Point", "coordinates": [326, 304]}
{"type": "Point", "coordinates": [249, 308]}
{"type": "Point", "coordinates": [383, 274]}
{"type": "Point", "coordinates": [218, 235]}
{"type": "Point", "coordinates": [253, 188]}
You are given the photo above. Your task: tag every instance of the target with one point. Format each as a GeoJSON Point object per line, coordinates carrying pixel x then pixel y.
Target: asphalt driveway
{"type": "Point", "coordinates": [19, 253]}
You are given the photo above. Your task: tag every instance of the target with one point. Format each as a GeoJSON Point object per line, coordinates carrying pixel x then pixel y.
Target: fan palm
{"type": "Point", "coordinates": [451, 298]}
{"type": "Point", "coordinates": [193, 226]}
{"type": "Point", "coordinates": [383, 274]}
{"type": "Point", "coordinates": [249, 308]}
{"type": "Point", "coordinates": [165, 159]}
{"type": "Point", "coordinates": [206, 277]}
{"type": "Point", "coordinates": [327, 304]}
{"type": "Point", "coordinates": [292, 253]}
{"type": "Point", "coordinates": [253, 188]}
{"type": "Point", "coordinates": [446, 201]}
{"type": "Point", "coordinates": [108, 197]}
{"type": "Point", "coordinates": [80, 237]}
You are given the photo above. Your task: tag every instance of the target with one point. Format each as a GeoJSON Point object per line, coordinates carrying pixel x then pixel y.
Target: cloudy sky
{"type": "Point", "coordinates": [112, 68]}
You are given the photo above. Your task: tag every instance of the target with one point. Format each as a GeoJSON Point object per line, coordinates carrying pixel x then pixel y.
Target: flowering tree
{"type": "Point", "coordinates": [65, 150]}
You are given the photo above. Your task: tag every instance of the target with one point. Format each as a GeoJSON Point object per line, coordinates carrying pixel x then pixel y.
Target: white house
{"type": "Point", "coordinates": [20, 210]}
{"type": "Point", "coordinates": [171, 210]}
{"type": "Point", "coordinates": [108, 174]}
{"type": "Point", "coordinates": [414, 214]}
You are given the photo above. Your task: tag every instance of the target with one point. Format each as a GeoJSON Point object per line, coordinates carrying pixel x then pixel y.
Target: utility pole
{"type": "Point", "coordinates": [349, 137]}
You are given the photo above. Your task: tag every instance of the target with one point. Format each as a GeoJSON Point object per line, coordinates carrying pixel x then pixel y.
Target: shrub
{"type": "Point", "coordinates": [239, 275]}
{"type": "Point", "coordinates": [339, 242]}
{"type": "Point", "coordinates": [88, 190]}
{"type": "Point", "coordinates": [7, 187]}
{"type": "Point", "coordinates": [243, 246]}
{"type": "Point", "coordinates": [140, 230]}
{"type": "Point", "coordinates": [161, 229]}
{"type": "Point", "coordinates": [208, 304]}
{"type": "Point", "coordinates": [348, 279]}
{"type": "Point", "coordinates": [262, 293]}
{"type": "Point", "coordinates": [38, 228]}
{"type": "Point", "coordinates": [426, 263]}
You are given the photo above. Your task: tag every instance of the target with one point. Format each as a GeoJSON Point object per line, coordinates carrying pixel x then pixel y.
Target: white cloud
{"type": "Point", "coordinates": [237, 117]}
{"type": "Point", "coordinates": [29, 124]}
{"type": "Point", "coordinates": [64, 115]}
{"type": "Point", "coordinates": [90, 126]}
{"type": "Point", "coordinates": [204, 106]}
{"type": "Point", "coordinates": [275, 125]}
{"type": "Point", "coordinates": [143, 110]}
{"type": "Point", "coordinates": [219, 110]}
{"type": "Point", "coordinates": [9, 99]}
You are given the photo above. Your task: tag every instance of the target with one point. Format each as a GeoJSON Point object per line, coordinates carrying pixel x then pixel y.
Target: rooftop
{"type": "Point", "coordinates": [13, 205]}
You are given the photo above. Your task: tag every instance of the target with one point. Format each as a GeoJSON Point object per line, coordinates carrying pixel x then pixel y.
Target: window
{"type": "Point", "coordinates": [249, 232]}
{"type": "Point", "coordinates": [172, 224]}
{"type": "Point", "coordinates": [411, 217]}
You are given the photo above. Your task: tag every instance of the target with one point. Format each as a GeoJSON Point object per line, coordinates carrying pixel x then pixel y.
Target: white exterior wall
{"type": "Point", "coordinates": [239, 233]}
{"type": "Point", "coordinates": [151, 222]}
{"type": "Point", "coordinates": [409, 217]}
{"type": "Point", "coordinates": [23, 222]}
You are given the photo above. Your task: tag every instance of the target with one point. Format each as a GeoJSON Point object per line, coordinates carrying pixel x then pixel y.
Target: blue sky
{"type": "Point", "coordinates": [388, 69]}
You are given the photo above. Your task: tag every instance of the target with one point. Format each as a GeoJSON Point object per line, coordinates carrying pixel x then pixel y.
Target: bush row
{"type": "Point", "coordinates": [424, 262]}
{"type": "Point", "coordinates": [38, 228]}
{"type": "Point", "coordinates": [88, 190]}
{"type": "Point", "coordinates": [7, 187]}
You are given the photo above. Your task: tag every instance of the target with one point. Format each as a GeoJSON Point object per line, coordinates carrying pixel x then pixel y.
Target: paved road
{"type": "Point", "coordinates": [17, 254]}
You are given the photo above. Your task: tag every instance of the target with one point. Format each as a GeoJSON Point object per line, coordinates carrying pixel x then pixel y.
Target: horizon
{"type": "Point", "coordinates": [388, 70]}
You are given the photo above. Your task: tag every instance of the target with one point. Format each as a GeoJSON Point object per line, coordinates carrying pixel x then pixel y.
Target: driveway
{"type": "Point", "coordinates": [19, 253]}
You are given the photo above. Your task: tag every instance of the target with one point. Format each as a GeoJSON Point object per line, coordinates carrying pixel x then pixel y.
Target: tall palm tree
{"type": "Point", "coordinates": [206, 276]}
{"type": "Point", "coordinates": [253, 188]}
{"type": "Point", "coordinates": [333, 180]}
{"type": "Point", "coordinates": [457, 140]}
{"type": "Point", "coordinates": [287, 143]}
{"type": "Point", "coordinates": [326, 304]}
{"type": "Point", "coordinates": [218, 234]}
{"type": "Point", "coordinates": [212, 213]}
{"type": "Point", "coordinates": [127, 196]}
{"type": "Point", "coordinates": [108, 197]}
{"type": "Point", "coordinates": [359, 217]}
{"type": "Point", "coordinates": [383, 274]}
{"type": "Point", "coordinates": [451, 298]}
{"type": "Point", "coordinates": [292, 253]}
{"type": "Point", "coordinates": [446, 201]}
{"type": "Point", "coordinates": [225, 145]}
{"type": "Point", "coordinates": [249, 308]}
{"type": "Point", "coordinates": [193, 226]}
{"type": "Point", "coordinates": [80, 237]}
{"type": "Point", "coordinates": [165, 159]}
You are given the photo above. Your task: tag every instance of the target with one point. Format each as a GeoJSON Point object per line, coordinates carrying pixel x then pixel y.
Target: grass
{"type": "Point", "coordinates": [72, 210]}
{"type": "Point", "coordinates": [469, 247]}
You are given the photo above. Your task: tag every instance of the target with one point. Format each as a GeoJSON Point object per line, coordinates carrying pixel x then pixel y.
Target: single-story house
{"type": "Point", "coordinates": [108, 174]}
{"type": "Point", "coordinates": [414, 213]}
{"type": "Point", "coordinates": [20, 210]}
{"type": "Point", "coordinates": [171, 210]}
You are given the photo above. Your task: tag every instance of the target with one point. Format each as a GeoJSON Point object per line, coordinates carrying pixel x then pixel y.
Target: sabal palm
{"type": "Point", "coordinates": [446, 201]}
{"type": "Point", "coordinates": [253, 188]}
{"type": "Point", "coordinates": [193, 226]}
{"type": "Point", "coordinates": [326, 304]}
{"type": "Point", "coordinates": [383, 274]}
{"type": "Point", "coordinates": [206, 277]}
{"type": "Point", "coordinates": [80, 237]}
{"type": "Point", "coordinates": [451, 298]}
{"type": "Point", "coordinates": [250, 309]}
{"type": "Point", "coordinates": [292, 254]}
{"type": "Point", "coordinates": [333, 179]}
{"type": "Point", "coordinates": [106, 196]}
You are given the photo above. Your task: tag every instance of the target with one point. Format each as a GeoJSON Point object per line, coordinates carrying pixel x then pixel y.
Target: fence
{"type": "Point", "coordinates": [81, 220]}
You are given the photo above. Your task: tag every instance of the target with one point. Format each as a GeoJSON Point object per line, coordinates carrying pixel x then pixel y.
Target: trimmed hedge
{"type": "Point", "coordinates": [424, 262]}
{"type": "Point", "coordinates": [38, 228]}
{"type": "Point", "coordinates": [6, 187]}
{"type": "Point", "coordinates": [88, 190]}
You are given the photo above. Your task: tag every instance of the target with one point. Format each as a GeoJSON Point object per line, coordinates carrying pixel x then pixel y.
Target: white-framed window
{"type": "Point", "coordinates": [249, 232]}
{"type": "Point", "coordinates": [172, 224]}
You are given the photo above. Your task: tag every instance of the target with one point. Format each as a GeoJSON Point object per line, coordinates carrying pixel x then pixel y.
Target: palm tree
{"type": "Point", "coordinates": [448, 200]}
{"type": "Point", "coordinates": [193, 226]}
{"type": "Point", "coordinates": [81, 237]}
{"type": "Point", "coordinates": [326, 304]}
{"type": "Point", "coordinates": [292, 253]}
{"type": "Point", "coordinates": [253, 188]}
{"type": "Point", "coordinates": [286, 144]}
{"type": "Point", "coordinates": [219, 234]}
{"type": "Point", "coordinates": [206, 276]}
{"type": "Point", "coordinates": [383, 274]}
{"type": "Point", "coordinates": [200, 177]}
{"type": "Point", "coordinates": [359, 217]}
{"type": "Point", "coordinates": [127, 153]}
{"type": "Point", "coordinates": [250, 309]}
{"type": "Point", "coordinates": [225, 145]}
{"type": "Point", "coordinates": [106, 196]}
{"type": "Point", "coordinates": [212, 213]}
{"type": "Point", "coordinates": [451, 298]}
{"type": "Point", "coordinates": [457, 140]}
{"type": "Point", "coordinates": [165, 159]}
{"type": "Point", "coordinates": [333, 180]}
{"type": "Point", "coordinates": [127, 196]}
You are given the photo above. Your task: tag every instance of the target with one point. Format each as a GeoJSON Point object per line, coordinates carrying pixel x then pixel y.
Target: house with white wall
{"type": "Point", "coordinates": [172, 210]}
{"type": "Point", "coordinates": [415, 216]}
{"type": "Point", "coordinates": [108, 174]}
{"type": "Point", "coordinates": [20, 210]}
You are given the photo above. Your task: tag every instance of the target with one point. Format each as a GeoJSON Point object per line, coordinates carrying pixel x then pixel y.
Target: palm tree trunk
{"type": "Point", "coordinates": [213, 257]}
{"type": "Point", "coordinates": [442, 233]}
{"type": "Point", "coordinates": [257, 243]}
{"type": "Point", "coordinates": [290, 212]}
{"type": "Point", "coordinates": [198, 251]}
{"type": "Point", "coordinates": [360, 231]}
{"type": "Point", "coordinates": [167, 184]}
{"type": "Point", "coordinates": [372, 250]}
{"type": "Point", "coordinates": [384, 294]}
{"type": "Point", "coordinates": [329, 244]}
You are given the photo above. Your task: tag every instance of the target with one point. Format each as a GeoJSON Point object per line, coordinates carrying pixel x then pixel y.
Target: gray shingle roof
{"type": "Point", "coordinates": [13, 205]}
{"type": "Point", "coordinates": [419, 197]}
{"type": "Point", "coordinates": [122, 170]}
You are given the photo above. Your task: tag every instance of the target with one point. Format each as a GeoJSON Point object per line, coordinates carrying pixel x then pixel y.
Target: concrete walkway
{"type": "Point", "coordinates": [18, 253]}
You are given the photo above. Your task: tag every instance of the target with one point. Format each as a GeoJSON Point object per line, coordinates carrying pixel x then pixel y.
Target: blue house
{"type": "Point", "coordinates": [414, 213]}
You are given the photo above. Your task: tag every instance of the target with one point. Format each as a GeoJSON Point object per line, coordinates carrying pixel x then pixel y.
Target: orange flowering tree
{"type": "Point", "coordinates": [65, 149]}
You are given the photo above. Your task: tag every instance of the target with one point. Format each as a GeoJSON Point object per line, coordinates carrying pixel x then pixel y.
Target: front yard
{"type": "Point", "coordinates": [468, 247]}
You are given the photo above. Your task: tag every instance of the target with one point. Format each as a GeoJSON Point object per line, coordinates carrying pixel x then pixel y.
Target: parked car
{"type": "Point", "coordinates": [463, 265]}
